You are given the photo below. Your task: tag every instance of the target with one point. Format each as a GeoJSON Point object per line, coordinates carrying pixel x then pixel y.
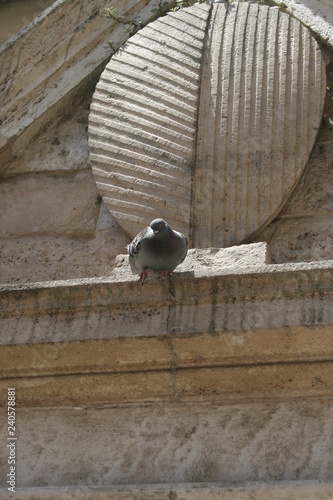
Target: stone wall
{"type": "Point", "coordinates": [221, 376]}
{"type": "Point", "coordinates": [80, 230]}
{"type": "Point", "coordinates": [216, 383]}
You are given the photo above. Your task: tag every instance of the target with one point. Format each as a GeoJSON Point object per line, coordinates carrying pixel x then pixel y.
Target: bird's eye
{"type": "Point", "coordinates": [161, 225]}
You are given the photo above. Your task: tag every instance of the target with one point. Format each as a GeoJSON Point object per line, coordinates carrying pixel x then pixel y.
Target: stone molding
{"type": "Point", "coordinates": [275, 490]}
{"type": "Point", "coordinates": [260, 331]}
{"type": "Point", "coordinates": [269, 364]}
{"type": "Point", "coordinates": [232, 299]}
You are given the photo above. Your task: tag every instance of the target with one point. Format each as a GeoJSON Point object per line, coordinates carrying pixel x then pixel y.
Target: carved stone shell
{"type": "Point", "coordinates": [207, 118]}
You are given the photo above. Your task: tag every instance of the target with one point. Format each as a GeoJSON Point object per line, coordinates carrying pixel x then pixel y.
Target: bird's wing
{"type": "Point", "coordinates": [185, 244]}
{"type": "Point", "coordinates": [134, 247]}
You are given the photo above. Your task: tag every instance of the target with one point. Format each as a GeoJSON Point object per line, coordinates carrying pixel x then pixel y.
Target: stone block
{"type": "Point", "coordinates": [237, 299]}
{"type": "Point", "coordinates": [300, 239]}
{"type": "Point", "coordinates": [154, 444]}
{"type": "Point", "coordinates": [49, 205]}
{"type": "Point", "coordinates": [208, 261]}
{"type": "Point", "coordinates": [62, 148]}
{"type": "Point", "coordinates": [200, 378]}
{"type": "Point", "coordinates": [314, 195]}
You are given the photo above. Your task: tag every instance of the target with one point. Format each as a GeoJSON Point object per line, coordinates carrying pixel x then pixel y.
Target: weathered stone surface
{"type": "Point", "coordinates": [265, 112]}
{"type": "Point", "coordinates": [191, 302]}
{"type": "Point", "coordinates": [316, 14]}
{"type": "Point", "coordinates": [291, 490]}
{"type": "Point", "coordinates": [6, 154]}
{"type": "Point", "coordinates": [62, 148]}
{"type": "Point", "coordinates": [177, 369]}
{"type": "Point", "coordinates": [247, 393]}
{"type": "Point", "coordinates": [303, 239]}
{"type": "Point", "coordinates": [257, 102]}
{"type": "Point", "coordinates": [42, 205]}
{"type": "Point", "coordinates": [58, 155]}
{"type": "Point", "coordinates": [130, 355]}
{"type": "Point", "coordinates": [208, 261]}
{"type": "Point", "coordinates": [221, 367]}
{"type": "Point", "coordinates": [147, 444]}
{"type": "Point", "coordinates": [45, 62]}
{"type": "Point", "coordinates": [314, 195]}
{"type": "Point", "coordinates": [304, 230]}
{"type": "Point", "coordinates": [43, 258]}
{"type": "Point", "coordinates": [14, 19]}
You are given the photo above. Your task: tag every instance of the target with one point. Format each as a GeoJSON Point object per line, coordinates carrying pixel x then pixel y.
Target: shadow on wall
{"type": "Point", "coordinates": [15, 14]}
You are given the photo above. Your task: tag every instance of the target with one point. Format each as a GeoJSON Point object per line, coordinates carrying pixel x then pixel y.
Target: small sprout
{"type": "Point", "coordinates": [326, 123]}
{"type": "Point", "coordinates": [161, 8]}
{"type": "Point", "coordinates": [131, 25]}
{"type": "Point", "coordinates": [111, 13]}
{"type": "Point", "coordinates": [111, 46]}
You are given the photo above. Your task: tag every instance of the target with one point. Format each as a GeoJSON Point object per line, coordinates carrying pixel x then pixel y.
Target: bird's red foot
{"type": "Point", "coordinates": [143, 274]}
{"type": "Point", "coordinates": [164, 274]}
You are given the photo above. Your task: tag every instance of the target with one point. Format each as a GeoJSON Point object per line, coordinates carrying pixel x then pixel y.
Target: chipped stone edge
{"type": "Point", "coordinates": [312, 18]}
{"type": "Point", "coordinates": [296, 490]}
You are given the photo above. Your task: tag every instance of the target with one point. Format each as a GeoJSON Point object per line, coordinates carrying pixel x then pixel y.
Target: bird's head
{"type": "Point", "coordinates": [158, 226]}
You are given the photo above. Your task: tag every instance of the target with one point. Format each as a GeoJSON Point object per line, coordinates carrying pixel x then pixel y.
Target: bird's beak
{"type": "Point", "coordinates": [156, 231]}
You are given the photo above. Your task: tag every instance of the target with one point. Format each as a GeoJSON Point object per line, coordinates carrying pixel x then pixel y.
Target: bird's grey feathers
{"type": "Point", "coordinates": [157, 248]}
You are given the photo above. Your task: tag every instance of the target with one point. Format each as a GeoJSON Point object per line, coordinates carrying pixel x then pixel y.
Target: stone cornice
{"type": "Point", "coordinates": [208, 334]}
{"type": "Point", "coordinates": [263, 365]}
{"type": "Point", "coordinates": [230, 299]}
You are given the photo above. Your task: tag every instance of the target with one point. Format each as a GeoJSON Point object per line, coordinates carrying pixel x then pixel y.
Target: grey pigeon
{"type": "Point", "coordinates": [157, 249]}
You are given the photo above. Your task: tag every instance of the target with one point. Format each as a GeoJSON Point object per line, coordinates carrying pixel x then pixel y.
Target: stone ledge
{"type": "Point", "coordinates": [255, 332]}
{"type": "Point", "coordinates": [207, 299]}
{"type": "Point", "coordinates": [288, 490]}
{"type": "Point", "coordinates": [207, 261]}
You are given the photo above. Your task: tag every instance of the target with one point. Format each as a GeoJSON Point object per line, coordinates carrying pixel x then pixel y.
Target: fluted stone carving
{"type": "Point", "coordinates": [143, 119]}
{"type": "Point", "coordinates": [207, 118]}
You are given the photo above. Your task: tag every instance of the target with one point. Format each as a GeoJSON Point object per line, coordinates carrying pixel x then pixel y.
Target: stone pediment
{"type": "Point", "coordinates": [207, 117]}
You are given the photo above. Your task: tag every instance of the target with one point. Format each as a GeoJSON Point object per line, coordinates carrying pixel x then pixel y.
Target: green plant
{"type": "Point", "coordinates": [161, 8]}
{"type": "Point", "coordinates": [132, 25]}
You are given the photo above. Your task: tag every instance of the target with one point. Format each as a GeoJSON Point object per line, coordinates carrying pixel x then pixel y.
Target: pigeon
{"type": "Point", "coordinates": [157, 249]}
